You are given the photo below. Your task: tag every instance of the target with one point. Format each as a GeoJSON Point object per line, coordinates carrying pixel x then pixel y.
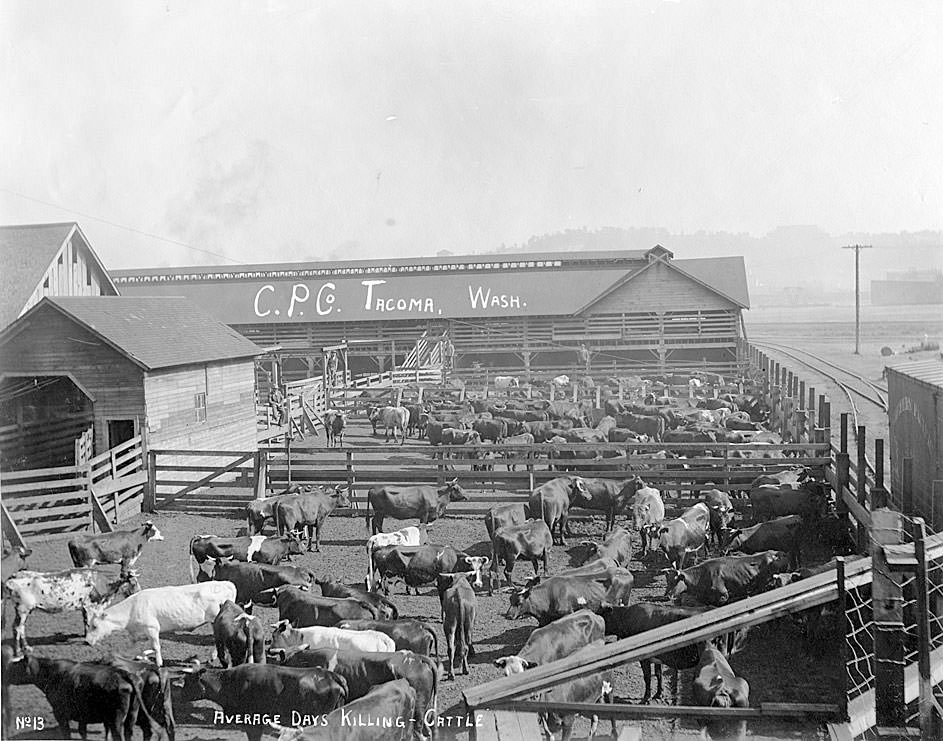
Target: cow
{"type": "Point", "coordinates": [154, 687]}
{"type": "Point", "coordinates": [257, 548]}
{"type": "Point", "coordinates": [150, 612]}
{"type": "Point", "coordinates": [239, 636]}
{"type": "Point", "coordinates": [459, 605]}
{"type": "Point", "coordinates": [434, 430]}
{"type": "Point", "coordinates": [648, 512]}
{"type": "Point", "coordinates": [416, 416]}
{"type": "Point", "coordinates": [720, 510]}
{"type": "Point", "coordinates": [309, 511]}
{"type": "Point", "coordinates": [57, 591]}
{"type": "Point", "coordinates": [335, 422]}
{"type": "Point", "coordinates": [781, 534]}
{"type": "Point", "coordinates": [554, 641]}
{"type": "Point", "coordinates": [642, 424]}
{"type": "Point", "coordinates": [392, 418]}
{"type": "Point", "coordinates": [428, 503]}
{"type": "Point", "coordinates": [285, 637]}
{"type": "Point", "coordinates": [121, 546]}
{"type": "Point", "coordinates": [396, 699]}
{"type": "Point", "coordinates": [617, 547]}
{"type": "Point", "coordinates": [363, 670]}
{"type": "Point", "coordinates": [683, 535]}
{"type": "Point", "coordinates": [556, 597]}
{"type": "Point", "coordinates": [85, 692]}
{"type": "Point", "coordinates": [716, 686]}
{"type": "Point", "coordinates": [797, 475]}
{"type": "Point", "coordinates": [431, 560]}
{"type": "Point", "coordinates": [809, 499]}
{"type": "Point", "coordinates": [523, 439]}
{"type": "Point", "coordinates": [407, 634]}
{"type": "Point", "coordinates": [728, 578]}
{"type": "Point", "coordinates": [529, 541]}
{"type": "Point", "coordinates": [389, 562]}
{"type": "Point", "coordinates": [456, 436]}
{"type": "Point", "coordinates": [14, 561]}
{"type": "Point", "coordinates": [260, 510]}
{"type": "Point", "coordinates": [494, 430]}
{"type": "Point", "coordinates": [254, 582]}
{"type": "Point", "coordinates": [560, 381]}
{"type": "Point", "coordinates": [506, 382]}
{"type": "Point", "coordinates": [256, 692]}
{"type": "Point", "coordinates": [616, 579]}
{"type": "Point", "coordinates": [608, 496]}
{"type": "Point", "coordinates": [502, 516]}
{"type": "Point", "coordinates": [386, 610]}
{"type": "Point", "coordinates": [551, 502]}
{"type": "Point", "coordinates": [590, 689]}
{"type": "Point", "coordinates": [303, 609]}
{"type": "Point", "coordinates": [411, 535]}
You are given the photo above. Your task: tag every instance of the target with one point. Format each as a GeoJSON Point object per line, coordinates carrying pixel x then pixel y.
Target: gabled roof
{"type": "Point", "coordinates": [929, 371]}
{"type": "Point", "coordinates": [26, 252]}
{"type": "Point", "coordinates": [152, 332]}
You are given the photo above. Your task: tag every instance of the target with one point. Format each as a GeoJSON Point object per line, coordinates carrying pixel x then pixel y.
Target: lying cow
{"type": "Point", "coordinates": [555, 641]}
{"type": "Point", "coordinates": [407, 634]}
{"type": "Point", "coordinates": [285, 637]}
{"type": "Point", "coordinates": [728, 578]}
{"type": "Point", "coordinates": [428, 503]}
{"type": "Point", "coordinates": [57, 591]}
{"type": "Point", "coordinates": [309, 511]}
{"type": "Point", "coordinates": [716, 686]}
{"type": "Point", "coordinates": [302, 609]}
{"type": "Point", "coordinates": [259, 548]}
{"type": "Point", "coordinates": [385, 608]}
{"type": "Point", "coordinates": [239, 636]}
{"type": "Point", "coordinates": [150, 612]}
{"type": "Point", "coordinates": [121, 546]}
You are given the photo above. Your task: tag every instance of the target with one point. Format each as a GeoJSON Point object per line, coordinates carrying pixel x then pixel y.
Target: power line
{"type": "Point", "coordinates": [120, 226]}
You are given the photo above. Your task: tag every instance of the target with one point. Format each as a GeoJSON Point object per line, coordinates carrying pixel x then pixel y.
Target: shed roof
{"type": "Point", "coordinates": [928, 371]}
{"type": "Point", "coordinates": [152, 332]}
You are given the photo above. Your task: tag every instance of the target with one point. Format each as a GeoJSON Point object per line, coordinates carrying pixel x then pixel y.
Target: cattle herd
{"type": "Point", "coordinates": [338, 648]}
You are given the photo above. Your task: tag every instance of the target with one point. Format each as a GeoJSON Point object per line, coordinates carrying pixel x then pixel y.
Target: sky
{"type": "Point", "coordinates": [183, 133]}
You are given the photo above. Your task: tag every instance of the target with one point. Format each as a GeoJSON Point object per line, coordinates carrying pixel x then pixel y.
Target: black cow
{"type": "Point", "coordinates": [459, 605]}
{"type": "Point", "coordinates": [415, 423]}
{"type": "Point", "coordinates": [428, 503]}
{"type": "Point", "coordinates": [551, 502]}
{"type": "Point", "coordinates": [728, 578]}
{"type": "Point", "coordinates": [252, 579]}
{"type": "Point", "coordinates": [554, 641]}
{"type": "Point", "coordinates": [716, 686]}
{"type": "Point", "coordinates": [259, 691]}
{"type": "Point", "coordinates": [494, 430]}
{"type": "Point", "coordinates": [153, 685]}
{"type": "Point", "coordinates": [309, 511]}
{"type": "Point", "coordinates": [556, 597]}
{"type": "Point", "coordinates": [385, 608]}
{"type": "Point", "coordinates": [239, 636]}
{"type": "Point", "coordinates": [389, 562]}
{"type": "Point", "coordinates": [810, 499]}
{"type": "Point", "coordinates": [303, 609]}
{"type": "Point", "coordinates": [260, 510]}
{"type": "Point", "coordinates": [431, 560]}
{"type": "Point", "coordinates": [502, 516]}
{"type": "Point", "coordinates": [720, 510]}
{"type": "Point", "coordinates": [257, 548]}
{"type": "Point", "coordinates": [434, 430]}
{"type": "Point", "coordinates": [121, 546]}
{"type": "Point", "coordinates": [593, 688]}
{"type": "Point", "coordinates": [529, 541]}
{"type": "Point", "coordinates": [781, 534]}
{"type": "Point", "coordinates": [608, 496]}
{"type": "Point", "coordinates": [407, 634]}
{"type": "Point", "coordinates": [335, 422]}
{"type": "Point", "coordinates": [653, 426]}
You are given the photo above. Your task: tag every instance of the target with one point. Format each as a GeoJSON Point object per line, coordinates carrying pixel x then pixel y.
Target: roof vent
{"type": "Point", "coordinates": [659, 253]}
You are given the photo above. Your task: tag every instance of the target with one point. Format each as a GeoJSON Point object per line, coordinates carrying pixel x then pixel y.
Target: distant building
{"type": "Point", "coordinates": [912, 287]}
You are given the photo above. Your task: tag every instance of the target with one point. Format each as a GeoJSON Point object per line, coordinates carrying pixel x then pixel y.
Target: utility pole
{"type": "Point", "coordinates": [857, 248]}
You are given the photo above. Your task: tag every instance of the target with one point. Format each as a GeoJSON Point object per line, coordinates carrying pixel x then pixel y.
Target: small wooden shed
{"type": "Point", "coordinates": [159, 365]}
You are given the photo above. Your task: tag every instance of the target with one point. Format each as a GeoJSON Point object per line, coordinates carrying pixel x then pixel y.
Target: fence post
{"type": "Point", "coordinates": [907, 486]}
{"type": "Point", "coordinates": [149, 501]}
{"type": "Point", "coordinates": [842, 466]}
{"type": "Point", "coordinates": [921, 585]}
{"type": "Point", "coordinates": [888, 608]}
{"type": "Point", "coordinates": [878, 492]}
{"type": "Point", "coordinates": [350, 477]}
{"type": "Point", "coordinates": [861, 481]}
{"type": "Point", "coordinates": [843, 632]}
{"type": "Point", "coordinates": [288, 456]}
{"type": "Point", "coordinates": [261, 472]}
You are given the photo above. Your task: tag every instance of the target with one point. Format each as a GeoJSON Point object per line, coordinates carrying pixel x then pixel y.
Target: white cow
{"type": "Point", "coordinates": [506, 382]}
{"type": "Point", "coordinates": [150, 612]}
{"type": "Point", "coordinates": [407, 536]}
{"type": "Point", "coordinates": [648, 511]}
{"type": "Point", "coordinates": [319, 636]}
{"type": "Point", "coordinates": [561, 381]}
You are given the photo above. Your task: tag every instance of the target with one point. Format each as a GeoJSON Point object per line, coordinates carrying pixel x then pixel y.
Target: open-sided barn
{"type": "Point", "coordinates": [621, 310]}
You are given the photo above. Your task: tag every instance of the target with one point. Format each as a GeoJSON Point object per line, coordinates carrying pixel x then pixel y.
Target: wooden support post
{"type": "Point", "coordinates": [862, 484]}
{"type": "Point", "coordinates": [801, 395]}
{"type": "Point", "coordinates": [878, 492]}
{"type": "Point", "coordinates": [599, 397]}
{"type": "Point", "coordinates": [261, 473]}
{"type": "Point", "coordinates": [149, 501]}
{"type": "Point", "coordinates": [288, 456]}
{"type": "Point", "coordinates": [842, 467]}
{"type": "Point", "coordinates": [811, 406]}
{"type": "Point", "coordinates": [843, 632]}
{"type": "Point", "coordinates": [925, 699]}
{"type": "Point", "coordinates": [350, 477]}
{"type": "Point", "coordinates": [789, 379]}
{"type": "Point", "coordinates": [888, 607]}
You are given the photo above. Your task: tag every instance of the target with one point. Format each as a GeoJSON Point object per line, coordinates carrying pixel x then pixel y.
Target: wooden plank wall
{"type": "Point", "coordinates": [72, 272]}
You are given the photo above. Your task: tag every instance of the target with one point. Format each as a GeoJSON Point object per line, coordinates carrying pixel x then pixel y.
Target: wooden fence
{"type": "Point", "coordinates": [44, 444]}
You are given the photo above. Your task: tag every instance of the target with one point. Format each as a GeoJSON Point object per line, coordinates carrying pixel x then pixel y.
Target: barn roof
{"type": "Point", "coordinates": [152, 332]}
{"type": "Point", "coordinates": [928, 371]}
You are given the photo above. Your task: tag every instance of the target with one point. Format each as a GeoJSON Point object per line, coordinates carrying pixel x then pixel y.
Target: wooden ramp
{"type": "Point", "coordinates": [508, 725]}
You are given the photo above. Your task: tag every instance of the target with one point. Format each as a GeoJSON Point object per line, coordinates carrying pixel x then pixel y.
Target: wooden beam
{"type": "Point", "coordinates": [98, 512]}
{"type": "Point", "coordinates": [616, 710]}
{"type": "Point", "coordinates": [243, 457]}
{"type": "Point", "coordinates": [11, 530]}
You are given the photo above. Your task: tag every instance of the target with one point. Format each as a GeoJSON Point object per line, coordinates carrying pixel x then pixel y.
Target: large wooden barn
{"type": "Point", "coordinates": [632, 310]}
{"type": "Point", "coordinates": [123, 365]}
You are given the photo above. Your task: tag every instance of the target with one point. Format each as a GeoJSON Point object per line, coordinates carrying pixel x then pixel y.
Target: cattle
{"type": "Point", "coordinates": [389, 562]}
{"type": "Point", "coordinates": [154, 687]}
{"type": "Point", "coordinates": [253, 693]}
{"type": "Point", "coordinates": [720, 510]}
{"type": "Point", "coordinates": [363, 670]}
{"type": "Point", "coordinates": [258, 548]}
{"type": "Point", "coordinates": [622, 435]}
{"type": "Point", "coordinates": [494, 430]}
{"type": "Point", "coordinates": [506, 382]}
{"type": "Point", "coordinates": [643, 424]}
{"type": "Point", "coordinates": [780, 534]}
{"type": "Point", "coordinates": [57, 591]}
{"type": "Point", "coordinates": [407, 634]}
{"type": "Point", "coordinates": [303, 609]}
{"type": "Point", "coordinates": [789, 476]}
{"type": "Point", "coordinates": [523, 439]}
{"type": "Point", "coordinates": [429, 561]}
{"type": "Point", "coordinates": [648, 512]}
{"type": "Point", "coordinates": [557, 596]}
{"type": "Point", "coordinates": [608, 496]}
{"type": "Point", "coordinates": [121, 546]}
{"type": "Point", "coordinates": [502, 516]}
{"type": "Point", "coordinates": [428, 503]}
{"type": "Point", "coordinates": [434, 430]}
{"type": "Point", "coordinates": [728, 578]}
{"type": "Point", "coordinates": [808, 499]}
{"type": "Point", "coordinates": [85, 692]}
{"type": "Point", "coordinates": [335, 422]}
{"type": "Point", "coordinates": [417, 419]}
{"type": "Point", "coordinates": [385, 609]}
{"type": "Point", "coordinates": [593, 688]}
{"type": "Point", "coordinates": [459, 605]}
{"type": "Point", "coordinates": [411, 535]}
{"type": "Point", "coordinates": [391, 418]}
{"type": "Point", "coordinates": [616, 579]}
{"type": "Point", "coordinates": [14, 561]}
{"type": "Point", "coordinates": [285, 637]}
{"type": "Point", "coordinates": [260, 510]}
{"type": "Point", "coordinates": [617, 547]}
{"type": "Point", "coordinates": [254, 581]}
{"type": "Point", "coordinates": [551, 502]}
{"type": "Point", "coordinates": [541, 430]}
{"type": "Point", "coordinates": [309, 511]}
{"type": "Point", "coordinates": [239, 636]}
{"type": "Point", "coordinates": [716, 686]}
{"type": "Point", "coordinates": [150, 612]}
{"type": "Point", "coordinates": [455, 436]}
{"type": "Point", "coordinates": [554, 641]}
{"type": "Point", "coordinates": [395, 700]}
{"type": "Point", "coordinates": [529, 541]}
{"type": "Point", "coordinates": [683, 535]}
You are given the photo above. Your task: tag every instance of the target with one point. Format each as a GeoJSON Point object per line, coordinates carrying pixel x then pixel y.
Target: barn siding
{"type": "Point", "coordinates": [72, 272]}
{"type": "Point", "coordinates": [230, 406]}
{"type": "Point", "coordinates": [52, 345]}
{"type": "Point", "coordinates": [660, 289]}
